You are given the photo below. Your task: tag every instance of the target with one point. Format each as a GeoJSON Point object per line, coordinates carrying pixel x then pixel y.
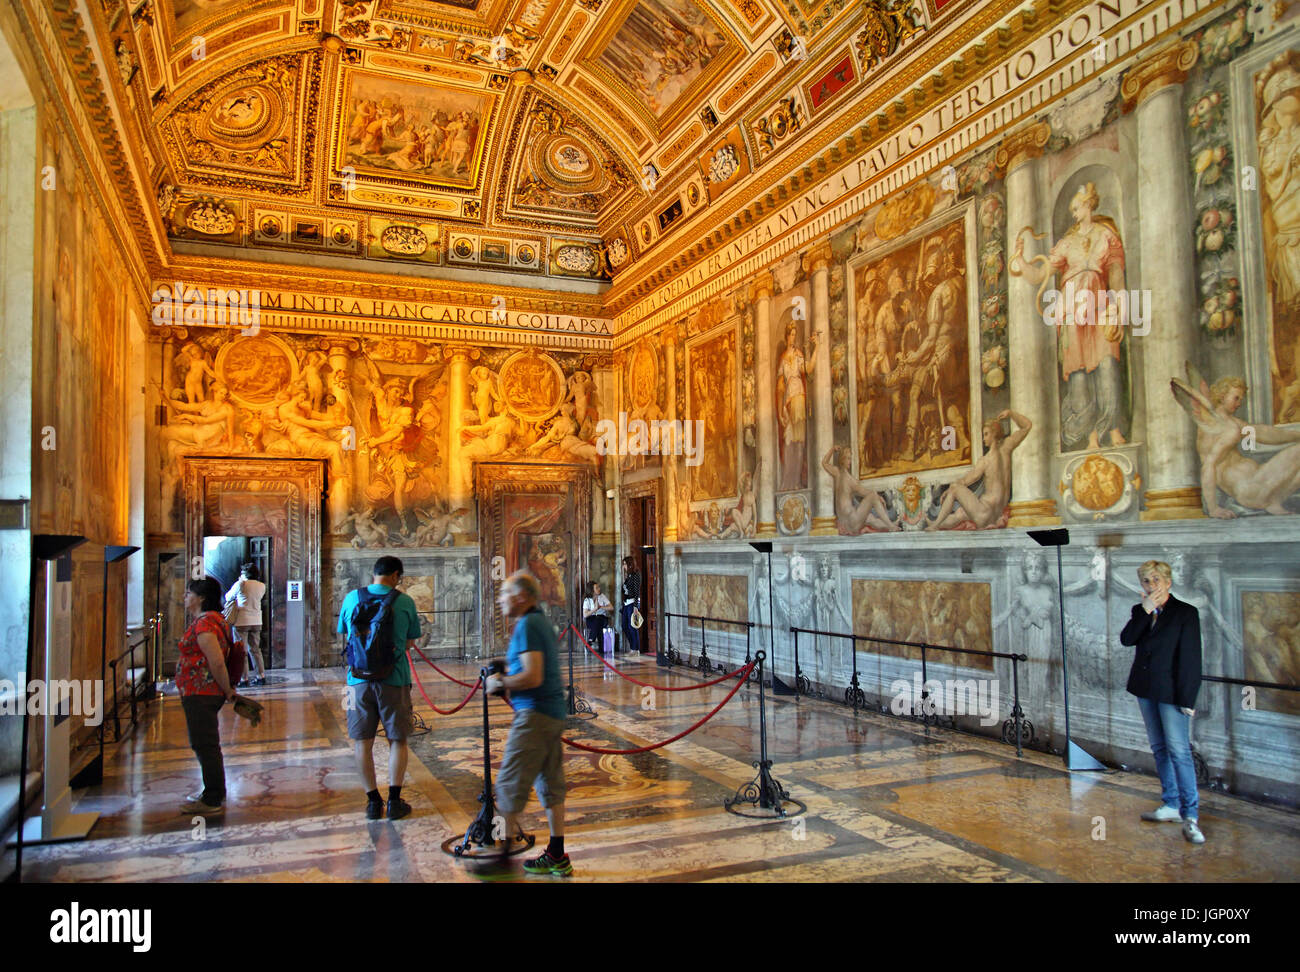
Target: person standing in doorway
{"type": "Point", "coordinates": [381, 693]}
{"type": "Point", "coordinates": [534, 756]}
{"type": "Point", "coordinates": [1166, 677]}
{"type": "Point", "coordinates": [247, 593]}
{"type": "Point", "coordinates": [631, 605]}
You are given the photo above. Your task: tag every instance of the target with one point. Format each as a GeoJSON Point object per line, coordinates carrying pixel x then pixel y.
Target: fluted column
{"type": "Point", "coordinates": [817, 262]}
{"type": "Point", "coordinates": [1033, 366]}
{"type": "Point", "coordinates": [459, 484]}
{"type": "Point", "coordinates": [1154, 91]}
{"type": "Point", "coordinates": [760, 299]}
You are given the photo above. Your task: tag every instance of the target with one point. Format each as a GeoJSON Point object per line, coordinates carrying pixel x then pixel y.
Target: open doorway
{"type": "Point", "coordinates": [224, 559]}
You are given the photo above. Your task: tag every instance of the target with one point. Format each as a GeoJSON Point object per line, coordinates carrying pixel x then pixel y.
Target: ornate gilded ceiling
{"type": "Point", "coordinates": [540, 138]}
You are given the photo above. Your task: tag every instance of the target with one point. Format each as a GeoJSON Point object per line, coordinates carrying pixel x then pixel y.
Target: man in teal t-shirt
{"type": "Point", "coordinates": [368, 703]}
{"type": "Point", "coordinates": [534, 756]}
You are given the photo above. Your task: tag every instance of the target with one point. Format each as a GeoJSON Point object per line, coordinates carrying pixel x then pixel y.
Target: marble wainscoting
{"type": "Point", "coordinates": [875, 585]}
{"type": "Point", "coordinates": [888, 800]}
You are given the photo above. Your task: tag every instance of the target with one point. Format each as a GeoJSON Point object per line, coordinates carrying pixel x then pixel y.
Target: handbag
{"type": "Point", "coordinates": [636, 620]}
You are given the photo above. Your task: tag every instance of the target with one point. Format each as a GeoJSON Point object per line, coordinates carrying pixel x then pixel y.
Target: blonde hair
{"type": "Point", "coordinates": [996, 425]}
{"type": "Point", "coordinates": [1089, 193]}
{"type": "Point", "coordinates": [1219, 390]}
{"type": "Point", "coordinates": [1156, 567]}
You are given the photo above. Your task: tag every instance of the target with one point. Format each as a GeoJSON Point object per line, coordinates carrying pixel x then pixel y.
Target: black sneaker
{"type": "Point", "coordinates": [374, 809]}
{"type": "Point", "coordinates": [397, 809]}
{"type": "Point", "coordinates": [546, 864]}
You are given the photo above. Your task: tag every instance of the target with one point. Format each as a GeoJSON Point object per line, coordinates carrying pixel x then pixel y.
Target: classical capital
{"type": "Point", "coordinates": [762, 286]}
{"type": "Point", "coordinates": [818, 258]}
{"type": "Point", "coordinates": [668, 336]}
{"type": "Point", "coordinates": [461, 353]}
{"type": "Point", "coordinates": [1160, 70]}
{"type": "Point", "coordinates": [1022, 146]}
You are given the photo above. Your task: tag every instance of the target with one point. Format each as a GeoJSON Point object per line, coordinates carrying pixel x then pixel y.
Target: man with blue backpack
{"type": "Point", "coordinates": [381, 626]}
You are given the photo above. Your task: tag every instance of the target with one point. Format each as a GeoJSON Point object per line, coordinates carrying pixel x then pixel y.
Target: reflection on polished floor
{"type": "Point", "coordinates": [887, 800]}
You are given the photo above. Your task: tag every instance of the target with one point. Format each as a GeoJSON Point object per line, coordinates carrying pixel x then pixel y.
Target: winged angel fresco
{"type": "Point", "coordinates": [1227, 445]}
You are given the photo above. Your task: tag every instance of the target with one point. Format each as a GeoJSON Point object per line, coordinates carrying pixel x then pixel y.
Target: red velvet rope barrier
{"type": "Point", "coordinates": [742, 671]}
{"type": "Point", "coordinates": [659, 688]}
{"type": "Point", "coordinates": [658, 745]}
{"type": "Point", "coordinates": [452, 678]}
{"type": "Point", "coordinates": [429, 701]}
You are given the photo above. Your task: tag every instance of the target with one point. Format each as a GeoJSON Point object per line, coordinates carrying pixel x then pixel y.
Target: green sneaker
{"type": "Point", "coordinates": [546, 864]}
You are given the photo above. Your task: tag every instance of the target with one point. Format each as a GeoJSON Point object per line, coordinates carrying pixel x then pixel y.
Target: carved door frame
{"type": "Point", "coordinates": [493, 483]}
{"type": "Point", "coordinates": [293, 523]}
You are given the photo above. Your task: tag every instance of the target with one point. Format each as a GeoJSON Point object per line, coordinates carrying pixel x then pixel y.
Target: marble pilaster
{"type": "Point", "coordinates": [817, 265]}
{"type": "Point", "coordinates": [1033, 383]}
{"type": "Point", "coordinates": [760, 297]}
{"type": "Point", "coordinates": [1153, 91]}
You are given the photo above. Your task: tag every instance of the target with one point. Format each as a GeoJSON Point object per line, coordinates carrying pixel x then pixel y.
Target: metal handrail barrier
{"type": "Point", "coordinates": [673, 657]}
{"type": "Point", "coordinates": [462, 612]}
{"type": "Point", "coordinates": [855, 696]}
{"type": "Point", "coordinates": [141, 639]}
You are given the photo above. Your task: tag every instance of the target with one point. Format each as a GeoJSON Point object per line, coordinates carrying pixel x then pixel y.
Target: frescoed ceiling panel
{"type": "Point", "coordinates": [483, 134]}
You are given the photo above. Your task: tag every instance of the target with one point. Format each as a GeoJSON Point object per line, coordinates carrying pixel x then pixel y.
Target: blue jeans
{"type": "Point", "coordinates": [1169, 732]}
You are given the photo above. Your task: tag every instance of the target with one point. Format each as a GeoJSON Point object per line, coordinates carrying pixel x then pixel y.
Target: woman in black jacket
{"type": "Point", "coordinates": [1166, 677]}
{"type": "Point", "coordinates": [631, 603]}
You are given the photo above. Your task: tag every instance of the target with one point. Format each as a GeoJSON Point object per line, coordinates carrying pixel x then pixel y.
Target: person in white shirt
{"type": "Point", "coordinates": [247, 594]}
{"type": "Point", "coordinates": [595, 614]}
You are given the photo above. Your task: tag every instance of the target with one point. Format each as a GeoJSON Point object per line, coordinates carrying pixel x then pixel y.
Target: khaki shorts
{"type": "Point", "coordinates": [534, 757]}
{"type": "Point", "coordinates": [373, 702]}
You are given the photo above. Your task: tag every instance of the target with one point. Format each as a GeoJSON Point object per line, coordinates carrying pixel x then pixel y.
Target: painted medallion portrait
{"type": "Point", "coordinates": [427, 132]}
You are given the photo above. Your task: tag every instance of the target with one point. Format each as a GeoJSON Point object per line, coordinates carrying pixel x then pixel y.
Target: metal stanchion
{"type": "Point", "coordinates": [481, 832]}
{"type": "Point", "coordinates": [764, 791]}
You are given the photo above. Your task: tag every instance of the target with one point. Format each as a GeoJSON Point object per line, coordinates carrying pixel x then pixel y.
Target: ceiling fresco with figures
{"type": "Point", "coordinates": [541, 138]}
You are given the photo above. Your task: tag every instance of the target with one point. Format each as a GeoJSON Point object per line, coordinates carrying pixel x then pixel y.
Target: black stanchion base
{"type": "Point", "coordinates": [764, 793]}
{"type": "Point", "coordinates": [580, 705]}
{"type": "Point", "coordinates": [780, 688]}
{"type": "Point", "coordinates": [477, 844]}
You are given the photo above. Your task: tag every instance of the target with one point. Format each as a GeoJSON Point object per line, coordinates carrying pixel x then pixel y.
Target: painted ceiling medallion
{"type": "Point", "coordinates": [243, 113]}
{"type": "Point", "coordinates": [570, 158]}
{"type": "Point", "coordinates": [403, 240]}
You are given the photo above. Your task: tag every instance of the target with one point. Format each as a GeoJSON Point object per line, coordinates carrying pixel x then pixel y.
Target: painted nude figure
{"type": "Point", "coordinates": [1256, 485]}
{"type": "Point", "coordinates": [994, 468]}
{"type": "Point", "coordinates": [851, 518]}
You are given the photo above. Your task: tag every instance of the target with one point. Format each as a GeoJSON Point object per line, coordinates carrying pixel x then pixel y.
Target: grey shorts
{"type": "Point", "coordinates": [372, 702]}
{"type": "Point", "coordinates": [534, 757]}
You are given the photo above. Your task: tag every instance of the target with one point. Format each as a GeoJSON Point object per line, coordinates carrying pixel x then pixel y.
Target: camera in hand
{"type": "Point", "coordinates": [496, 667]}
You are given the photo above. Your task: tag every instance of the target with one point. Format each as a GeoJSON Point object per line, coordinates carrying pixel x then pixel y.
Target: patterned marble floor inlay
{"type": "Point", "coordinates": [888, 800]}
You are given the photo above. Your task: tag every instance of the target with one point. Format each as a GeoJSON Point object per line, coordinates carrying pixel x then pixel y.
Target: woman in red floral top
{"type": "Point", "coordinates": [204, 686]}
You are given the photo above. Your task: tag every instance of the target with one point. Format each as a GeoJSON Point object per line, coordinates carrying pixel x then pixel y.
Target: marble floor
{"type": "Point", "coordinates": [887, 799]}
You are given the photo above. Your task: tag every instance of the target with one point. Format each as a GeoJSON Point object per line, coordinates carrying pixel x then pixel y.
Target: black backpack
{"type": "Point", "coordinates": [371, 652]}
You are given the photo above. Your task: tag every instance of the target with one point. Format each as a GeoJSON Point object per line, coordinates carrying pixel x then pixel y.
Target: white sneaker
{"type": "Point", "coordinates": [1162, 814]}
{"type": "Point", "coordinates": [1192, 832]}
